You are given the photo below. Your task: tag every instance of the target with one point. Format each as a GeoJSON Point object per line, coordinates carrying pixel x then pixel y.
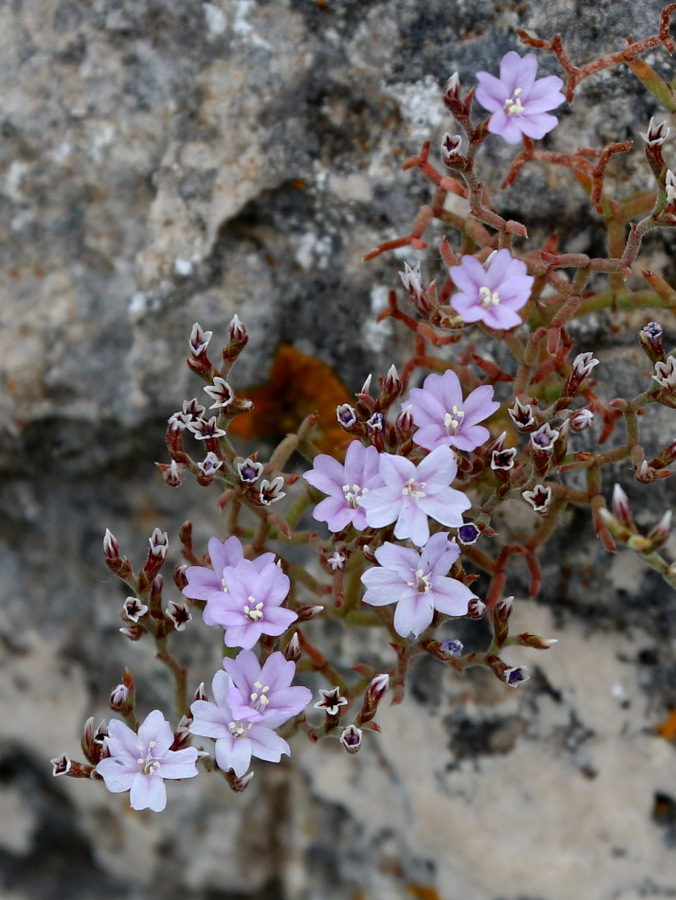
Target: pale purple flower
{"type": "Point", "coordinates": [237, 739]}
{"type": "Point", "coordinates": [202, 581]}
{"type": "Point", "coordinates": [249, 603]}
{"type": "Point", "coordinates": [264, 694]}
{"type": "Point", "coordinates": [410, 494]}
{"type": "Point", "coordinates": [139, 763]}
{"type": "Point", "coordinates": [417, 583]}
{"type": "Point", "coordinates": [444, 419]}
{"type": "Point", "coordinates": [346, 486]}
{"type": "Point", "coordinates": [518, 102]}
{"type": "Point", "coordinates": [491, 295]}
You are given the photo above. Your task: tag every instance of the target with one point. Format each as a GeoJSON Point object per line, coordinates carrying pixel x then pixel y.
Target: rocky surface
{"type": "Point", "coordinates": [166, 161]}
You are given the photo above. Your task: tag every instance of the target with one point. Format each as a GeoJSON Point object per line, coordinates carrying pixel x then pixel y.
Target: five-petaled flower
{"type": "Point", "coordinates": [140, 762]}
{"type": "Point", "coordinates": [346, 486]}
{"type": "Point", "coordinates": [264, 693]}
{"type": "Point", "coordinates": [518, 101]}
{"type": "Point", "coordinates": [249, 603]}
{"type": "Point", "coordinates": [412, 493]}
{"type": "Point", "coordinates": [237, 738]}
{"type": "Point", "coordinates": [417, 583]}
{"type": "Point", "coordinates": [491, 294]}
{"type": "Point", "coordinates": [444, 419]}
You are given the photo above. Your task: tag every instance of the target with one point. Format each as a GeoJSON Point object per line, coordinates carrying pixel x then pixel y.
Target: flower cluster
{"type": "Point", "coordinates": [407, 498]}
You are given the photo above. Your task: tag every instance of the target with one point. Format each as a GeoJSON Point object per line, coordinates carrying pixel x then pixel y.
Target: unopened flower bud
{"type": "Point", "coordinates": [650, 337]}
{"type": "Point", "coordinates": [535, 642]}
{"type": "Point", "coordinates": [179, 614]}
{"type": "Point", "coordinates": [293, 652]}
{"type": "Point", "coordinates": [119, 698]}
{"type": "Point", "coordinates": [468, 534]}
{"type": "Point", "coordinates": [452, 91]}
{"type": "Point", "coordinates": [366, 386]}
{"type": "Point", "coordinates": [237, 331]}
{"type": "Point", "coordinates": [539, 498]}
{"type": "Point", "coordinates": [501, 613]}
{"type": "Point", "coordinates": [159, 543]}
{"type": "Point", "coordinates": [249, 469]}
{"type": "Point", "coordinates": [182, 735]}
{"type": "Point", "coordinates": [661, 533]}
{"type": "Point", "coordinates": [451, 648]}
{"type": "Point", "coordinates": [111, 548]}
{"type": "Point", "coordinates": [210, 465]}
{"type": "Point", "coordinates": [346, 415]}
{"type": "Point", "coordinates": [503, 459]}
{"type": "Point", "coordinates": [656, 134]}
{"type": "Point", "coordinates": [133, 632]}
{"type": "Point", "coordinates": [544, 438]}
{"type": "Point", "coordinates": [351, 738]}
{"type": "Point", "coordinates": [580, 419]}
{"type": "Point", "coordinates": [373, 694]}
{"type": "Point", "coordinates": [665, 373]}
{"type": "Point", "coordinates": [336, 561]}
{"type": "Point", "coordinates": [622, 509]}
{"type": "Point", "coordinates": [93, 741]}
{"type": "Point", "coordinates": [305, 613]}
{"type": "Point", "coordinates": [271, 491]}
{"type": "Point", "coordinates": [522, 415]}
{"type": "Point", "coordinates": [412, 281]}
{"type": "Point", "coordinates": [582, 367]}
{"type": "Point", "coordinates": [450, 150]}
{"type": "Point", "coordinates": [670, 186]}
{"type": "Point", "coordinates": [199, 340]}
{"type": "Point", "coordinates": [515, 675]}
{"type": "Point", "coordinates": [331, 701]}
{"type": "Point", "coordinates": [133, 609]}
{"type": "Point", "coordinates": [476, 608]}
{"type": "Point", "coordinates": [220, 392]}
{"type": "Point", "coordinates": [392, 385]}
{"type": "Point", "coordinates": [61, 765]}
{"type": "Point", "coordinates": [238, 784]}
{"type": "Point", "coordinates": [200, 693]}
{"type": "Point", "coordinates": [172, 473]}
{"type": "Point", "coordinates": [404, 420]}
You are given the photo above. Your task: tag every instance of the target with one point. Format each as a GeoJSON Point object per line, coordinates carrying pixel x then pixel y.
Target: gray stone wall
{"type": "Point", "coordinates": [166, 161]}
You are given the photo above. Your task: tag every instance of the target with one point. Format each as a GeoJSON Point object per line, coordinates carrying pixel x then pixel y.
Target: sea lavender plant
{"type": "Point", "coordinates": [407, 504]}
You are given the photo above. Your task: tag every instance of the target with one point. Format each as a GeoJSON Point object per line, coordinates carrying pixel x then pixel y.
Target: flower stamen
{"type": "Point", "coordinates": [353, 493]}
{"type": "Point", "coordinates": [255, 610]}
{"type": "Point", "coordinates": [422, 582]}
{"type": "Point", "coordinates": [453, 420]}
{"type": "Point", "coordinates": [513, 105]}
{"type": "Point", "coordinates": [413, 488]}
{"type": "Point", "coordinates": [488, 298]}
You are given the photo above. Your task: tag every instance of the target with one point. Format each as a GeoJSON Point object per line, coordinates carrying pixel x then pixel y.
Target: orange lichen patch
{"type": "Point", "coordinates": [667, 729]}
{"type": "Point", "coordinates": [298, 386]}
{"type": "Point", "coordinates": [419, 892]}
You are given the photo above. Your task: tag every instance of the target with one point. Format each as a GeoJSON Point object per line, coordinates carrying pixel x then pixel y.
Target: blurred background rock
{"type": "Point", "coordinates": [167, 161]}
